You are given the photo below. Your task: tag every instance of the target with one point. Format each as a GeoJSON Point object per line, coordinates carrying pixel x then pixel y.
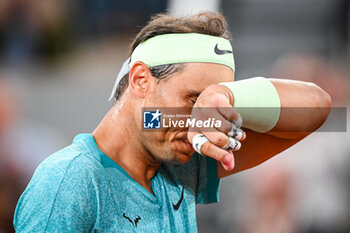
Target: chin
{"type": "Point", "coordinates": [178, 153]}
{"type": "Point", "coordinates": [181, 158]}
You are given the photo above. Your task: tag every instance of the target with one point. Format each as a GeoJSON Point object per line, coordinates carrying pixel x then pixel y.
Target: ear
{"type": "Point", "coordinates": [139, 78]}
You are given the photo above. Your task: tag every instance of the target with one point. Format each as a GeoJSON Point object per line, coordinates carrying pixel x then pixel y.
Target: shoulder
{"type": "Point", "coordinates": [73, 165]}
{"type": "Point", "coordinates": [66, 178]}
{"type": "Point", "coordinates": [74, 159]}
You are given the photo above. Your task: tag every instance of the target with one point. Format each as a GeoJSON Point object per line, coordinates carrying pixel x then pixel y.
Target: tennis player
{"type": "Point", "coordinates": [122, 178]}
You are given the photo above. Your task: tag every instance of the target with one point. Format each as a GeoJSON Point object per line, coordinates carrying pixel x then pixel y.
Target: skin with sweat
{"type": "Point", "coordinates": [140, 153]}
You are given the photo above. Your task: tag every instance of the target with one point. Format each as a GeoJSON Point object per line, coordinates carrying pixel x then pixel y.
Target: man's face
{"type": "Point", "coordinates": [179, 91]}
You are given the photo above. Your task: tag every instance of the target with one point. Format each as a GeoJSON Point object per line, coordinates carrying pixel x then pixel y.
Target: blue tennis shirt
{"type": "Point", "coordinates": [80, 189]}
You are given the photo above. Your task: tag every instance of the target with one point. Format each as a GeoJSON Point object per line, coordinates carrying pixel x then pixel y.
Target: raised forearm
{"type": "Point", "coordinates": [304, 108]}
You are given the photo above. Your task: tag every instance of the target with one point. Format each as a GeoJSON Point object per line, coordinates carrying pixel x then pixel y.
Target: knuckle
{"type": "Point", "coordinates": [206, 148]}
{"type": "Point", "coordinates": [237, 145]}
{"type": "Point", "coordinates": [235, 115]}
{"type": "Point", "coordinates": [226, 127]}
{"type": "Point", "coordinates": [220, 156]}
{"type": "Point", "coordinates": [232, 115]}
{"type": "Point", "coordinates": [220, 140]}
{"type": "Point", "coordinates": [212, 88]}
{"type": "Point", "coordinates": [213, 151]}
{"type": "Point", "coordinates": [190, 135]}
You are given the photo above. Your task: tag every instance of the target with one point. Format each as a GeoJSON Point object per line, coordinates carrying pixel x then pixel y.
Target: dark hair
{"type": "Point", "coordinates": [209, 23]}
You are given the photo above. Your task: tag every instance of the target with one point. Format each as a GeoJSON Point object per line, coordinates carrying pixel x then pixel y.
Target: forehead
{"type": "Point", "coordinates": [197, 76]}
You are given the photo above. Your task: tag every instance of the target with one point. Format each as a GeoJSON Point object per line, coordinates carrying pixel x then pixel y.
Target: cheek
{"type": "Point", "coordinates": [164, 149]}
{"type": "Point", "coordinates": [157, 139]}
{"type": "Point", "coordinates": [161, 139]}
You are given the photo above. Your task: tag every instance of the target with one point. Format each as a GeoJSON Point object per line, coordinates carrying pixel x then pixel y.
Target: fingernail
{"type": "Point", "coordinates": [229, 166]}
{"type": "Point", "coordinates": [239, 135]}
{"type": "Point", "coordinates": [238, 122]}
{"type": "Point", "coordinates": [237, 145]}
{"type": "Point", "coordinates": [244, 136]}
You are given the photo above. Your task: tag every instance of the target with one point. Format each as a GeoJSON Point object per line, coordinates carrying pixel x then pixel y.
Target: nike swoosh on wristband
{"type": "Point", "coordinates": [177, 205]}
{"type": "Point", "coordinates": [221, 52]}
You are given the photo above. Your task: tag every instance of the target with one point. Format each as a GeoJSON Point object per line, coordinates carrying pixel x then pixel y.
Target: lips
{"type": "Point", "coordinates": [182, 137]}
{"type": "Point", "coordinates": [188, 144]}
{"type": "Point", "coordinates": [185, 140]}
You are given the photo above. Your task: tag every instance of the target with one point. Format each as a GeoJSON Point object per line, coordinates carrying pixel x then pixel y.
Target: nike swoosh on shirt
{"type": "Point", "coordinates": [177, 205]}
{"type": "Point", "coordinates": [221, 52]}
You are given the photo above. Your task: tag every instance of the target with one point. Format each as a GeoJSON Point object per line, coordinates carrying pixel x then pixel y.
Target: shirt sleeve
{"type": "Point", "coordinates": [61, 197]}
{"type": "Point", "coordinates": [208, 183]}
{"type": "Point", "coordinates": [199, 175]}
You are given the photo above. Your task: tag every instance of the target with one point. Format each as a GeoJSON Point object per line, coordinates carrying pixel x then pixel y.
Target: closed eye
{"type": "Point", "coordinates": [192, 96]}
{"type": "Point", "coordinates": [193, 100]}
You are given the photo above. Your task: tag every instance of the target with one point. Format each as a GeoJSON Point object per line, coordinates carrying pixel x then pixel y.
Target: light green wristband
{"type": "Point", "coordinates": [257, 100]}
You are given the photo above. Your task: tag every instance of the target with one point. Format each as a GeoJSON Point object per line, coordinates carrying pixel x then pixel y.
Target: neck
{"type": "Point", "coordinates": [117, 137]}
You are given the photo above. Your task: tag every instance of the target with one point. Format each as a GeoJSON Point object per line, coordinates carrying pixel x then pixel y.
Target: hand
{"type": "Point", "coordinates": [216, 102]}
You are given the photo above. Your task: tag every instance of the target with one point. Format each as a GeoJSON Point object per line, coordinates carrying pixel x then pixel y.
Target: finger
{"type": "Point", "coordinates": [221, 140]}
{"type": "Point", "coordinates": [205, 114]}
{"type": "Point", "coordinates": [233, 145]}
{"type": "Point", "coordinates": [191, 134]}
{"type": "Point", "coordinates": [225, 157]}
{"type": "Point", "coordinates": [203, 146]}
{"type": "Point", "coordinates": [229, 113]}
{"type": "Point", "coordinates": [229, 166]}
{"type": "Point", "coordinates": [198, 141]}
{"type": "Point", "coordinates": [218, 138]}
{"type": "Point", "coordinates": [239, 121]}
{"type": "Point", "coordinates": [232, 115]}
{"type": "Point", "coordinates": [225, 126]}
{"type": "Point", "coordinates": [236, 133]}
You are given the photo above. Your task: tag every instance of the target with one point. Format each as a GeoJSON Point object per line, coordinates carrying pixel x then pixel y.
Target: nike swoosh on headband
{"type": "Point", "coordinates": [183, 48]}
{"type": "Point", "coordinates": [221, 52]}
{"type": "Point", "coordinates": [178, 48]}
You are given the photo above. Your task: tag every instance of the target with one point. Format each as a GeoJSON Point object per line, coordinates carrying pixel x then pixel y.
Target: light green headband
{"type": "Point", "coordinates": [183, 47]}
